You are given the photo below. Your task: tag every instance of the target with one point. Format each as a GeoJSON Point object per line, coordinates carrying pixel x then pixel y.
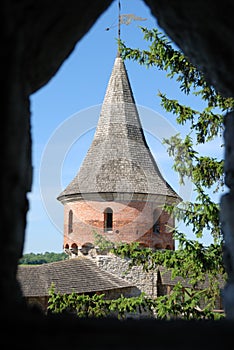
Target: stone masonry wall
{"type": "Point", "coordinates": [145, 281]}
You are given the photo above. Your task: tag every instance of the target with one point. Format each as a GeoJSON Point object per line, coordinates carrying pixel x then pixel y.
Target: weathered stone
{"type": "Point", "coordinates": [36, 37]}
{"type": "Point", "coordinates": [145, 281]}
{"type": "Point", "coordinates": [229, 150]}
{"type": "Point", "coordinates": [227, 217]}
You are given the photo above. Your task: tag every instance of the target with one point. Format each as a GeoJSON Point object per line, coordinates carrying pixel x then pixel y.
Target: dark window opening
{"type": "Point", "coordinates": [108, 219]}
{"type": "Point", "coordinates": [70, 221]}
{"type": "Point", "coordinates": [156, 221]}
{"type": "Point", "coordinates": [158, 246]}
{"type": "Point", "coordinates": [74, 248]}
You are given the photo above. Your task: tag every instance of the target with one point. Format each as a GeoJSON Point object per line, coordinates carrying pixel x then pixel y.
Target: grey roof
{"type": "Point", "coordinates": [168, 280]}
{"type": "Point", "coordinates": [80, 275]}
{"type": "Point", "coordinates": [119, 159]}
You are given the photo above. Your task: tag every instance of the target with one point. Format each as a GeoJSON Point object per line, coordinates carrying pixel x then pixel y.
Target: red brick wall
{"type": "Point", "coordinates": [132, 221]}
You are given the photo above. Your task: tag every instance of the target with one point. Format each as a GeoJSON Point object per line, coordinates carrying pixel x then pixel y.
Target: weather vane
{"type": "Point", "coordinates": [124, 19]}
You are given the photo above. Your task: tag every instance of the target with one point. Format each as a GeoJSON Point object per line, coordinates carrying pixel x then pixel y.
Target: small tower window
{"type": "Point", "coordinates": [156, 221]}
{"type": "Point", "coordinates": [108, 219]}
{"type": "Point", "coordinates": [74, 249]}
{"type": "Point", "coordinates": [158, 246]}
{"type": "Point", "coordinates": [70, 221]}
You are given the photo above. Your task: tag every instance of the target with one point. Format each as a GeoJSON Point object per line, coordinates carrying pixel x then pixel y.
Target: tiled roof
{"type": "Point", "coordinates": [80, 275]}
{"type": "Point", "coordinates": [119, 159]}
{"type": "Point", "coordinates": [166, 279]}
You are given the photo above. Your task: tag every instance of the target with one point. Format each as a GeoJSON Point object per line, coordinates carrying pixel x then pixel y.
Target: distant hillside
{"type": "Point", "coordinates": [41, 258]}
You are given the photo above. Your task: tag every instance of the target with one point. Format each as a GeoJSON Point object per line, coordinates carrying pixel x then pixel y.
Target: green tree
{"type": "Point", "coordinates": [191, 260]}
{"type": "Point", "coordinates": [97, 305]}
{"type": "Point", "coordinates": [41, 258]}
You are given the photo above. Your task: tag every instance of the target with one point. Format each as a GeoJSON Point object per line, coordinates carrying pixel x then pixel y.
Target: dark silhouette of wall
{"type": "Point", "coordinates": [36, 38]}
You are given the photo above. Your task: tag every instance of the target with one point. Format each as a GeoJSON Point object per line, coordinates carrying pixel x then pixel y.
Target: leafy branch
{"type": "Point", "coordinates": [98, 306]}
{"type": "Point", "coordinates": [162, 55]}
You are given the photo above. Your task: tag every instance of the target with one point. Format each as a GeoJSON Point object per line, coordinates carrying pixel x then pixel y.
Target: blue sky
{"type": "Point", "coordinates": [65, 113]}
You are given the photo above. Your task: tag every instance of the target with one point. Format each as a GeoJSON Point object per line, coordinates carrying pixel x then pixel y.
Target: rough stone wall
{"type": "Point", "coordinates": [40, 303]}
{"type": "Point", "coordinates": [36, 38]}
{"type": "Point", "coordinates": [227, 217]}
{"type": "Point", "coordinates": [145, 281]}
{"type": "Point", "coordinates": [132, 221]}
{"type": "Point", "coordinates": [126, 292]}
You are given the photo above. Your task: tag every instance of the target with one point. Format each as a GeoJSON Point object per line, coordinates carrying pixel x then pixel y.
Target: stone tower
{"type": "Point", "coordinates": [118, 191]}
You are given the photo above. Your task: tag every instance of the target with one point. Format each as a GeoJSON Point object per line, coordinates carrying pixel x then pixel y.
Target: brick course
{"type": "Point", "coordinates": [132, 221]}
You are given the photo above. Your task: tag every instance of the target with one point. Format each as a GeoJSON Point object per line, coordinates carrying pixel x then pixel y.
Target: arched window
{"type": "Point", "coordinates": [108, 219]}
{"type": "Point", "coordinates": [158, 246]}
{"type": "Point", "coordinates": [74, 248]}
{"type": "Point", "coordinates": [70, 221]}
{"type": "Point", "coordinates": [156, 222]}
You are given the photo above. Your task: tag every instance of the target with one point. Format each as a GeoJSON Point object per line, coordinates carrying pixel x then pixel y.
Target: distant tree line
{"type": "Point", "coordinates": [41, 258]}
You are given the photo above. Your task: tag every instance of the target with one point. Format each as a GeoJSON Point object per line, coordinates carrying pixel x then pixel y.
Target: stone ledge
{"type": "Point", "coordinates": [33, 330]}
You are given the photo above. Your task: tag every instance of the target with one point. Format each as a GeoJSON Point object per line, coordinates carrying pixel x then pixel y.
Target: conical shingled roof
{"type": "Point", "coordinates": [119, 160]}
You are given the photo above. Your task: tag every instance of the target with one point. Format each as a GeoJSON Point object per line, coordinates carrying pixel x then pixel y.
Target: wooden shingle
{"type": "Point", "coordinates": [119, 159]}
{"type": "Point", "coordinates": [80, 275]}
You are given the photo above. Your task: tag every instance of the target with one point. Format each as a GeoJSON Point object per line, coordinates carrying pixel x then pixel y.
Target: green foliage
{"type": "Point", "coordinates": [181, 303]}
{"type": "Point", "coordinates": [103, 244]}
{"type": "Point", "coordinates": [162, 55]}
{"type": "Point", "coordinates": [191, 261]}
{"type": "Point", "coordinates": [205, 125]}
{"type": "Point", "coordinates": [204, 171]}
{"type": "Point", "coordinates": [184, 302]}
{"type": "Point", "coordinates": [200, 267]}
{"type": "Point", "coordinates": [84, 305]}
{"type": "Point", "coordinates": [41, 258]}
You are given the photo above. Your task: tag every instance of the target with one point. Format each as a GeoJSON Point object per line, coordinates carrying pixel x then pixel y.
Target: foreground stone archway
{"type": "Point", "coordinates": [36, 38]}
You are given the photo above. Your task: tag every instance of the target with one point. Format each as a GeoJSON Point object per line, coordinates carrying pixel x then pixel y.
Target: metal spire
{"type": "Point", "coordinates": [119, 25]}
{"type": "Point", "coordinates": [124, 19]}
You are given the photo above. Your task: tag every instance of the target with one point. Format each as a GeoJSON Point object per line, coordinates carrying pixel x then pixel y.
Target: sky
{"type": "Point", "coordinates": [65, 112]}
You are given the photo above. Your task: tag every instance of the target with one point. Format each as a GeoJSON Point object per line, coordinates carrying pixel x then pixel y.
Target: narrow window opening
{"type": "Point", "coordinates": [108, 220]}
{"type": "Point", "coordinates": [74, 248]}
{"type": "Point", "coordinates": [156, 221]}
{"type": "Point", "coordinates": [70, 221]}
{"type": "Point", "coordinates": [158, 246]}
